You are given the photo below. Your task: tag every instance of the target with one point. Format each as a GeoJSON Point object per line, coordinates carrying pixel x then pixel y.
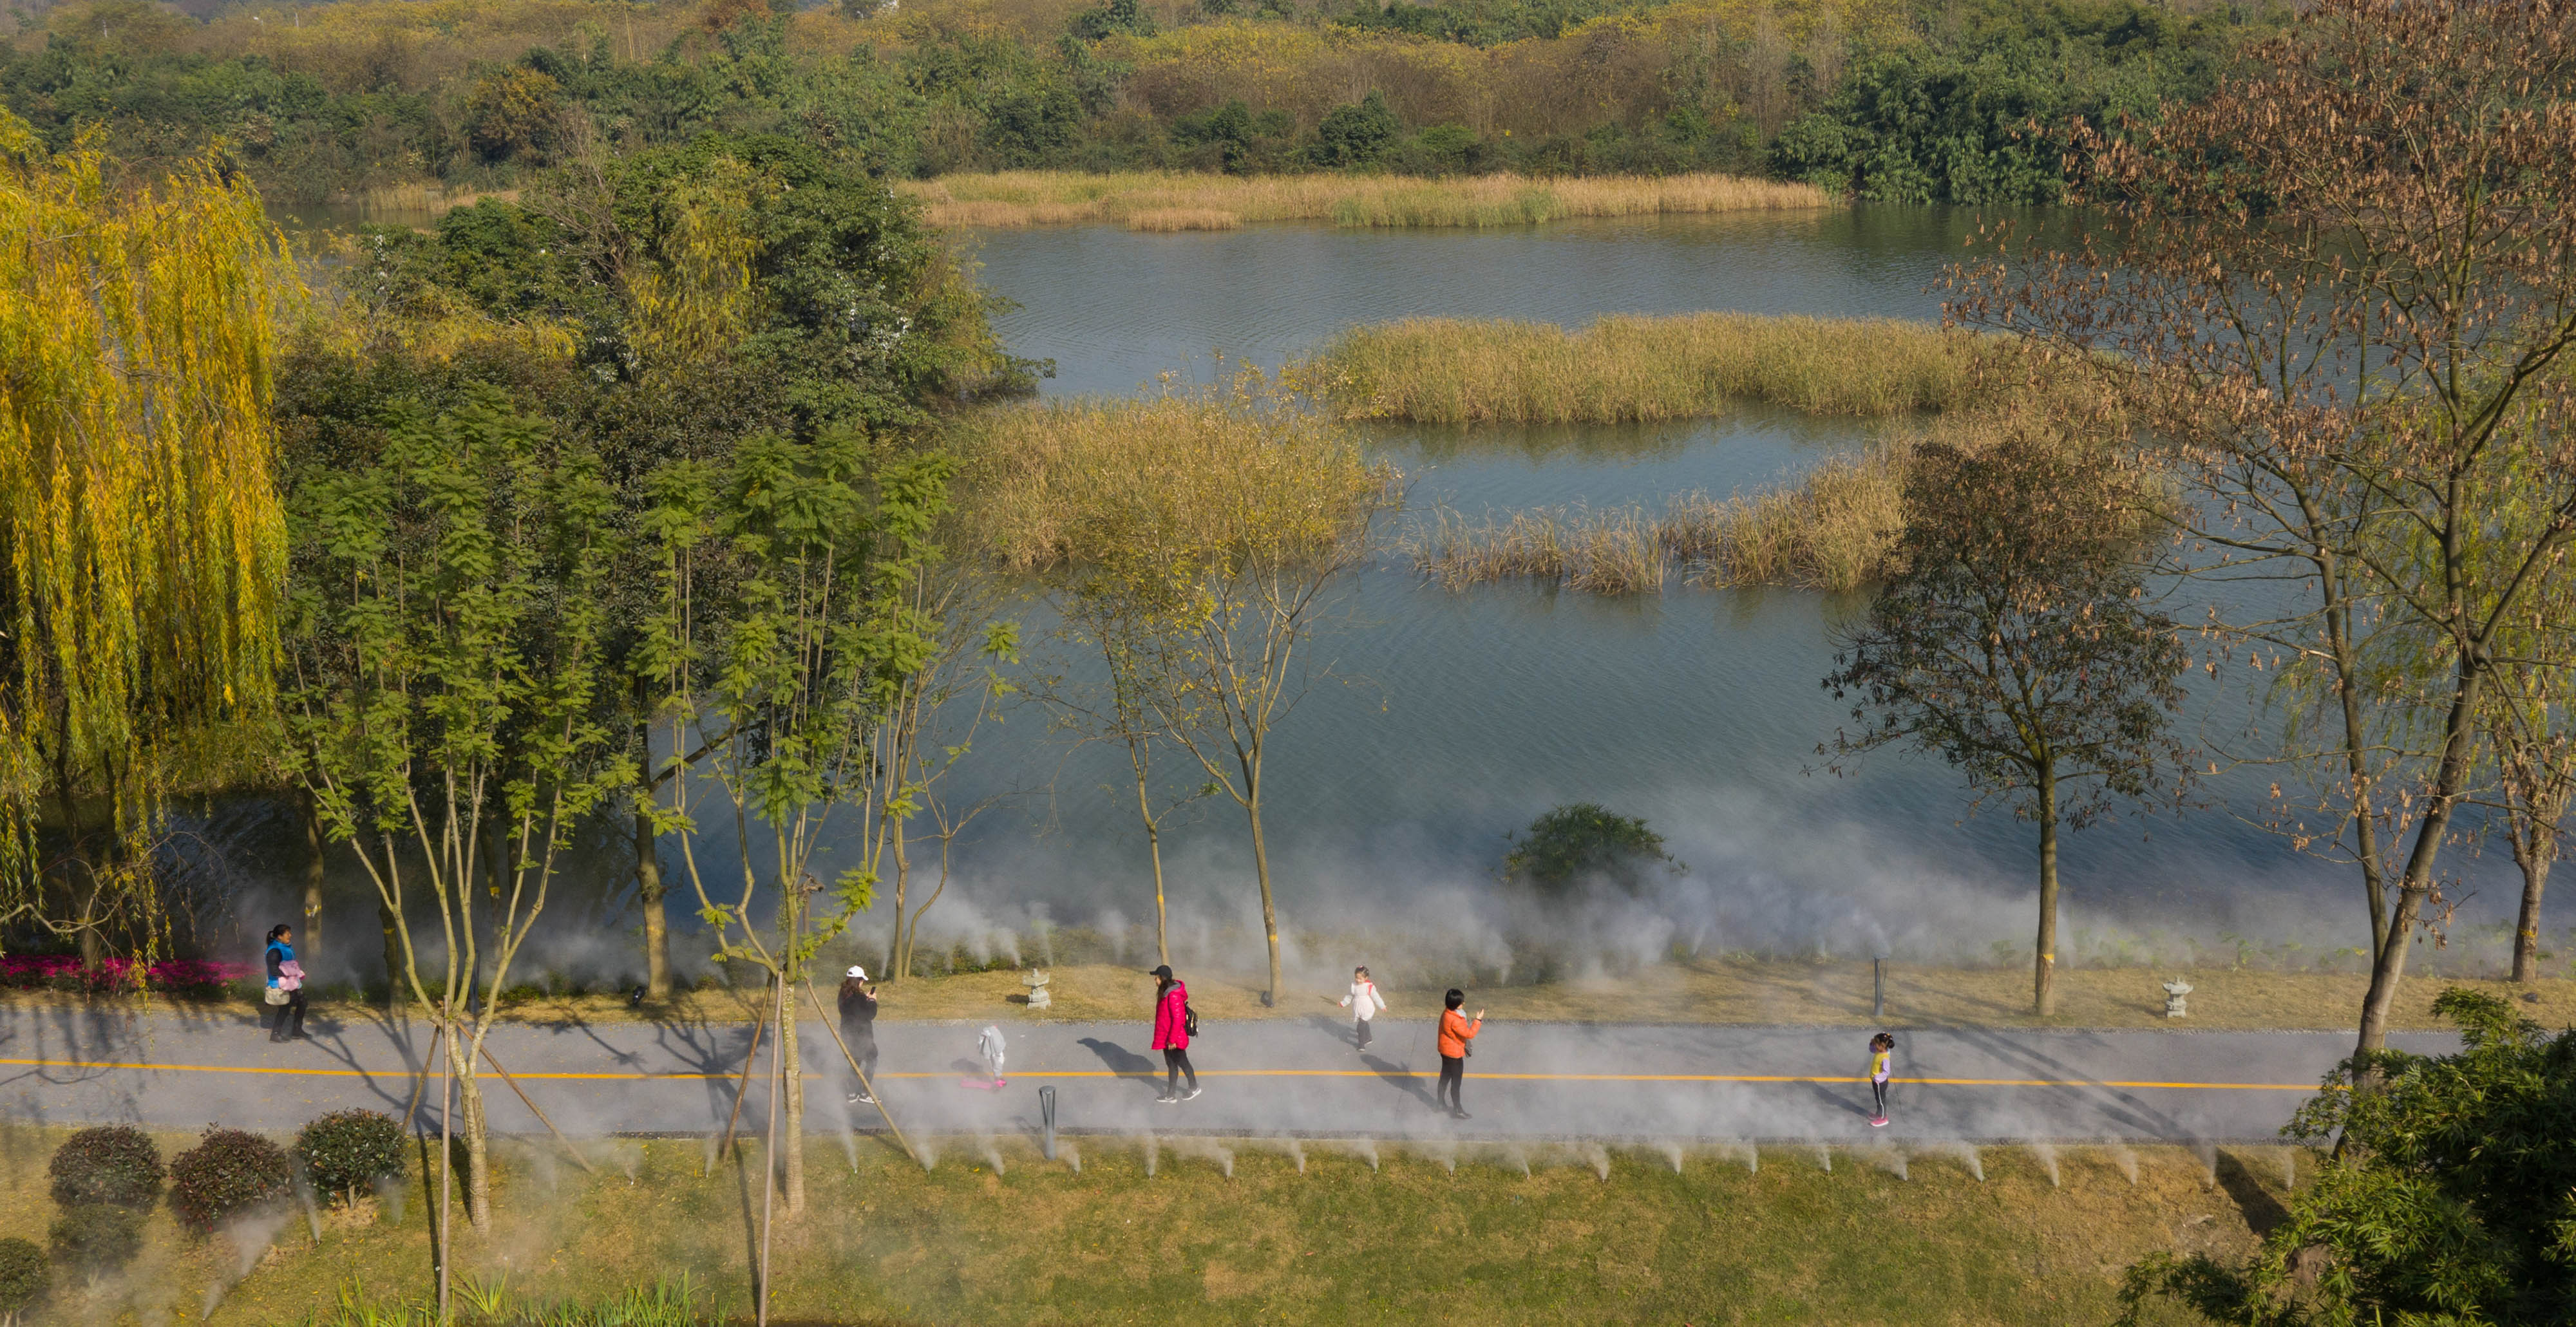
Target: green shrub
{"type": "Point", "coordinates": [227, 1173]}
{"type": "Point", "coordinates": [1585, 841]}
{"type": "Point", "coordinates": [110, 1164]}
{"type": "Point", "coordinates": [346, 1151]}
{"type": "Point", "coordinates": [22, 1277]}
{"type": "Point", "coordinates": [97, 1237]}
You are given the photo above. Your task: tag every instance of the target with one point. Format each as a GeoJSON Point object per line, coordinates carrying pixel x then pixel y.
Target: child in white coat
{"type": "Point", "coordinates": [1364, 1003]}
{"type": "Point", "coordinates": [989, 1045]}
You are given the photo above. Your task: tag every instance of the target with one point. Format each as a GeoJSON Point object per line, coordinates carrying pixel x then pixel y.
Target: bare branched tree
{"type": "Point", "coordinates": [2336, 298]}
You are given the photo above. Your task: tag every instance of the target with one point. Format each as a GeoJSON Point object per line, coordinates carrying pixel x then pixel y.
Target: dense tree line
{"type": "Point", "coordinates": [1896, 101]}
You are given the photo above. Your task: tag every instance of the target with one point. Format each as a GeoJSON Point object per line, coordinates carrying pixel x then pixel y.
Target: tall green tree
{"type": "Point", "coordinates": [953, 693]}
{"type": "Point", "coordinates": [2013, 641]}
{"type": "Point", "coordinates": [787, 634]}
{"type": "Point", "coordinates": [734, 287]}
{"type": "Point", "coordinates": [450, 711]}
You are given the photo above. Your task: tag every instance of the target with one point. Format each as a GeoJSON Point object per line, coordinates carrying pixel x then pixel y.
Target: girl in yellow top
{"type": "Point", "coordinates": [1882, 1052]}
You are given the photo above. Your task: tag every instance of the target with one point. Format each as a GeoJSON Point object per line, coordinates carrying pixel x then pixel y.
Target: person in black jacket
{"type": "Point", "coordinates": [859, 1029]}
{"type": "Point", "coordinates": [287, 975]}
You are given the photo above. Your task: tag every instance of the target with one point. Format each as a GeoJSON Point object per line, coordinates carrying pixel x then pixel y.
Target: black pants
{"type": "Point", "coordinates": [1176, 1062]}
{"type": "Point", "coordinates": [290, 1017]}
{"type": "Point", "coordinates": [863, 1048]}
{"type": "Point", "coordinates": [1453, 1077]}
{"type": "Point", "coordinates": [1878, 1094]}
{"type": "Point", "coordinates": [1362, 1026]}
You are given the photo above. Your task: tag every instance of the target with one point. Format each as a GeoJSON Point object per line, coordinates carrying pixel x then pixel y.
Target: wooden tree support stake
{"type": "Point", "coordinates": [864, 1084]}
{"type": "Point", "coordinates": [743, 1088]}
{"type": "Point", "coordinates": [577, 1158]}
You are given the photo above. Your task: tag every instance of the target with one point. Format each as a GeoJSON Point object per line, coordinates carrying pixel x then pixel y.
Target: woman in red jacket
{"type": "Point", "coordinates": [1172, 1035]}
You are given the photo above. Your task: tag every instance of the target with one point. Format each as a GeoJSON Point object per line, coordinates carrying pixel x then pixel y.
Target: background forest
{"type": "Point", "coordinates": [402, 103]}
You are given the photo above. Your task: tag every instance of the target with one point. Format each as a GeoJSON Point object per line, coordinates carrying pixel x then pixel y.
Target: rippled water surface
{"type": "Point", "coordinates": [1458, 716]}
{"type": "Point", "coordinates": [1115, 308]}
{"type": "Point", "coordinates": [1439, 721]}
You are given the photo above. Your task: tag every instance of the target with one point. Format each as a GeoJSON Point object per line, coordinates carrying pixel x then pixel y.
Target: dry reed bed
{"type": "Point", "coordinates": [1011, 199]}
{"type": "Point", "coordinates": [1173, 219]}
{"type": "Point", "coordinates": [1631, 368]}
{"type": "Point", "coordinates": [1153, 483]}
{"type": "Point", "coordinates": [1831, 529]}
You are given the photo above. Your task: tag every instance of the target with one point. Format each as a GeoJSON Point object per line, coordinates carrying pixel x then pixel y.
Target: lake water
{"type": "Point", "coordinates": [1450, 719]}
{"type": "Point", "coordinates": [1464, 715]}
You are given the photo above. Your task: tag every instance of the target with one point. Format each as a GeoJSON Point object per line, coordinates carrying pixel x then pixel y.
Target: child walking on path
{"type": "Point", "coordinates": [989, 1044]}
{"type": "Point", "coordinates": [1172, 1035]}
{"type": "Point", "coordinates": [1882, 1050]}
{"type": "Point", "coordinates": [1364, 1004]}
{"type": "Point", "coordinates": [1456, 1030]}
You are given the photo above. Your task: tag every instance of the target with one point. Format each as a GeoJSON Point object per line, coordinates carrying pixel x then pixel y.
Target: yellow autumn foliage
{"type": "Point", "coordinates": [142, 526]}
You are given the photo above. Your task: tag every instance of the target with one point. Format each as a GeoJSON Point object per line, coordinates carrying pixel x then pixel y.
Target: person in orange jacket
{"type": "Point", "coordinates": [1456, 1030]}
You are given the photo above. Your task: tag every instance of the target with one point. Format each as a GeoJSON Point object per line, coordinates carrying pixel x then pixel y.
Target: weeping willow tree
{"type": "Point", "coordinates": [138, 515]}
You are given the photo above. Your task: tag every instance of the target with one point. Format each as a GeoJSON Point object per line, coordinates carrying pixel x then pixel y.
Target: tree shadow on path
{"type": "Point", "coordinates": [1401, 1076]}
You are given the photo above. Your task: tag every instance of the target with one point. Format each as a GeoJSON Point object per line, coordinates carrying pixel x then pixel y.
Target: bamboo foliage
{"type": "Point", "coordinates": [143, 531]}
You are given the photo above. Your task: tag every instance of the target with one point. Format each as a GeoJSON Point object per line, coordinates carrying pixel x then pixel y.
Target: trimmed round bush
{"type": "Point", "coordinates": [97, 1237]}
{"type": "Point", "coordinates": [226, 1173]}
{"type": "Point", "coordinates": [349, 1150]}
{"type": "Point", "coordinates": [110, 1164]}
{"type": "Point", "coordinates": [22, 1277]}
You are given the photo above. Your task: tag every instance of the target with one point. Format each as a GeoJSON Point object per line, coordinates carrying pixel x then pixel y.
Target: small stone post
{"type": "Point", "coordinates": [2175, 990]}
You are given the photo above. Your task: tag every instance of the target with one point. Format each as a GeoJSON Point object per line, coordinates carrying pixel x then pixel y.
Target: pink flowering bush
{"type": "Point", "coordinates": [63, 972]}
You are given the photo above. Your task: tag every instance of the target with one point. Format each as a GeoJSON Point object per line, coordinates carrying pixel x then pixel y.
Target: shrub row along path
{"type": "Point", "coordinates": [181, 1069]}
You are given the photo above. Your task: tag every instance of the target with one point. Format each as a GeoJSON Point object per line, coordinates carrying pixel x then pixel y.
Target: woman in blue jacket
{"type": "Point", "coordinates": [286, 977]}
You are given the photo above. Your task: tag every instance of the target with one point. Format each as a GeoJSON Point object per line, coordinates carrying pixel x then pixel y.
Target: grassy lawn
{"type": "Point", "coordinates": [1479, 1236]}
{"type": "Point", "coordinates": [1760, 992]}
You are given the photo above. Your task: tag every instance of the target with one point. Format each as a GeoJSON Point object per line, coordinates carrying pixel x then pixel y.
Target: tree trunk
{"type": "Point", "coordinates": [93, 946]}
{"type": "Point", "coordinates": [1154, 850]}
{"type": "Point", "coordinates": [1162, 922]}
{"type": "Point", "coordinates": [2388, 966]}
{"type": "Point", "coordinates": [309, 939]}
{"type": "Point", "coordinates": [2356, 747]}
{"type": "Point", "coordinates": [648, 893]}
{"type": "Point", "coordinates": [899, 952]}
{"type": "Point", "coordinates": [2043, 977]}
{"type": "Point", "coordinates": [2531, 851]}
{"type": "Point", "coordinates": [80, 883]}
{"type": "Point", "coordinates": [395, 987]}
{"type": "Point", "coordinates": [1261, 870]}
{"type": "Point", "coordinates": [478, 1136]}
{"type": "Point", "coordinates": [791, 1141]}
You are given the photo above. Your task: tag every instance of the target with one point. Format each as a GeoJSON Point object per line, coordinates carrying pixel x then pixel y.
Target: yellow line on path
{"type": "Point", "coordinates": [1220, 1073]}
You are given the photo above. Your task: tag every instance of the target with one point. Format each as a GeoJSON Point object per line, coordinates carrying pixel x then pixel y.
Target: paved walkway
{"type": "Point", "coordinates": [1297, 1078]}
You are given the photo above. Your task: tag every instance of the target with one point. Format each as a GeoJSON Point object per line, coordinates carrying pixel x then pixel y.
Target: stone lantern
{"type": "Point", "coordinates": [1036, 981]}
{"type": "Point", "coordinates": [2175, 990]}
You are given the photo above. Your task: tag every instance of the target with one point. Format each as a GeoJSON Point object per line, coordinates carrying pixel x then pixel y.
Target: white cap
{"type": "Point", "coordinates": [858, 972]}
